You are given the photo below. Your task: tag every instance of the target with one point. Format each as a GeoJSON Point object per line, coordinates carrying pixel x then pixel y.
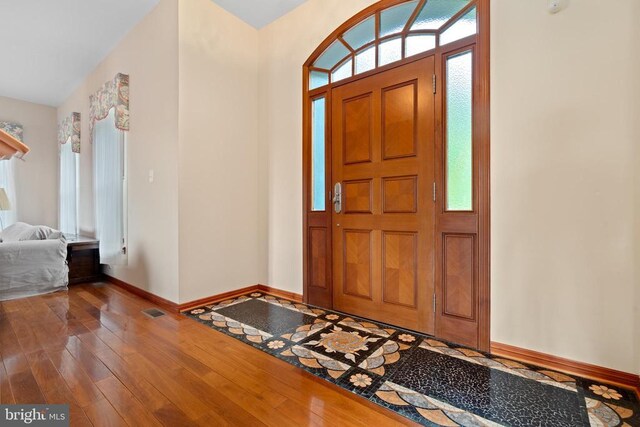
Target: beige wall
{"type": "Point", "coordinates": [37, 177]}
{"type": "Point", "coordinates": [194, 121]}
{"type": "Point", "coordinates": [221, 238]}
{"type": "Point", "coordinates": [562, 170]}
{"type": "Point", "coordinates": [149, 54]}
{"type": "Point", "coordinates": [635, 54]}
{"type": "Point", "coordinates": [284, 46]}
{"type": "Point", "coordinates": [564, 104]}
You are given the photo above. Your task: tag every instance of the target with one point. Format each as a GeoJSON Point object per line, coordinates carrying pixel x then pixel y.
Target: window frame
{"type": "Point", "coordinates": [445, 127]}
{"type": "Point", "coordinates": [124, 251]}
{"type": "Point", "coordinates": [76, 167]}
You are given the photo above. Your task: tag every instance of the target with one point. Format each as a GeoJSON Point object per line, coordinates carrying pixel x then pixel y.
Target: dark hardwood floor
{"type": "Point", "coordinates": [91, 347]}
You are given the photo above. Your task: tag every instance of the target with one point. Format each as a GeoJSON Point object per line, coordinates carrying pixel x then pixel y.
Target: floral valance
{"type": "Point", "coordinates": [70, 129]}
{"type": "Point", "coordinates": [113, 94]}
{"type": "Point", "coordinates": [13, 129]}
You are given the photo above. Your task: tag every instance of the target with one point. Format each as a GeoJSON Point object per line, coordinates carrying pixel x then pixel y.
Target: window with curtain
{"type": "Point", "coordinates": [69, 166]}
{"type": "Point", "coordinates": [109, 166]}
{"type": "Point", "coordinates": [8, 182]}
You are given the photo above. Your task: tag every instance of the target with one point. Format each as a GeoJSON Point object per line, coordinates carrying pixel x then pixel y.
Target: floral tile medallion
{"type": "Point", "coordinates": [346, 344]}
{"type": "Point", "coordinates": [608, 393]}
{"type": "Point", "coordinates": [274, 345]}
{"type": "Point", "coordinates": [429, 381]}
{"type": "Point", "coordinates": [360, 381]}
{"type": "Point", "coordinates": [332, 317]}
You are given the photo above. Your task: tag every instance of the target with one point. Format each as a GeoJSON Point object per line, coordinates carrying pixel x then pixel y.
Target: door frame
{"type": "Point", "coordinates": [319, 222]}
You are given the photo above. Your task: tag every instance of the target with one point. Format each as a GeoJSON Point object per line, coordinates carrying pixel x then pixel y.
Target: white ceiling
{"type": "Point", "coordinates": [50, 46]}
{"type": "Point", "coordinates": [259, 13]}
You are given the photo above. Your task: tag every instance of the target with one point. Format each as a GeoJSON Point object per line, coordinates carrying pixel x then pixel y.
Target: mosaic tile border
{"type": "Point", "coordinates": [370, 352]}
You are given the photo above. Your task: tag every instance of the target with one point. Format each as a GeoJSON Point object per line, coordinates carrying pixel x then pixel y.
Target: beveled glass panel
{"type": "Point", "coordinates": [390, 51]}
{"type": "Point", "coordinates": [318, 79]}
{"type": "Point", "coordinates": [366, 60]}
{"type": "Point", "coordinates": [435, 13]}
{"type": "Point", "coordinates": [463, 27]}
{"type": "Point", "coordinates": [342, 72]}
{"type": "Point", "coordinates": [362, 33]}
{"type": "Point", "coordinates": [318, 127]}
{"type": "Point", "coordinates": [393, 19]}
{"type": "Point", "coordinates": [330, 57]}
{"type": "Point", "coordinates": [459, 132]}
{"type": "Point", "coordinates": [418, 44]}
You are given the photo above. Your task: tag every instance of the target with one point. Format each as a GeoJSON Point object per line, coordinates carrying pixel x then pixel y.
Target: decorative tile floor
{"type": "Point", "coordinates": [428, 381]}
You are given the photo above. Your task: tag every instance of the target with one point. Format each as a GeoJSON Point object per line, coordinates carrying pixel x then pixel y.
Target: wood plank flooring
{"type": "Point", "coordinates": [91, 347]}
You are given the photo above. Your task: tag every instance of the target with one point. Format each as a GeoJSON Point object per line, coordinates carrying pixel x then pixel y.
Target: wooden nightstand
{"type": "Point", "coordinates": [83, 257]}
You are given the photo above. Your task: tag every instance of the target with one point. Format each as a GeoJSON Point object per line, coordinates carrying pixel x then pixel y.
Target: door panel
{"type": "Point", "coordinates": [400, 257]}
{"type": "Point", "coordinates": [458, 287]}
{"type": "Point", "coordinates": [399, 120]}
{"type": "Point", "coordinates": [318, 255]}
{"type": "Point", "coordinates": [357, 196]}
{"type": "Point", "coordinates": [400, 194]}
{"type": "Point", "coordinates": [357, 263]}
{"type": "Point", "coordinates": [356, 116]}
{"type": "Point", "coordinates": [383, 154]}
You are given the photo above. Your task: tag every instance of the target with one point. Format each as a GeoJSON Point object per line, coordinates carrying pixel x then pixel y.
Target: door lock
{"type": "Point", "coordinates": [337, 197]}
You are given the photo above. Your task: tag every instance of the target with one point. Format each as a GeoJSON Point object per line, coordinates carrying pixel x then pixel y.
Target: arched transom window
{"type": "Point", "coordinates": [392, 34]}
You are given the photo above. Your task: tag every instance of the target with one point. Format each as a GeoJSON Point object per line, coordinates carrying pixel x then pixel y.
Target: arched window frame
{"type": "Point", "coordinates": [478, 43]}
{"type": "Point", "coordinates": [375, 11]}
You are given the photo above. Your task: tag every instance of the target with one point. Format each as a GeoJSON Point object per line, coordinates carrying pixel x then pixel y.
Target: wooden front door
{"type": "Point", "coordinates": [383, 159]}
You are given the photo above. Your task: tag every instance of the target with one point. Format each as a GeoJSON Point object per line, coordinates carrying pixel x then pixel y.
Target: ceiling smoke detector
{"type": "Point", "coordinates": [555, 6]}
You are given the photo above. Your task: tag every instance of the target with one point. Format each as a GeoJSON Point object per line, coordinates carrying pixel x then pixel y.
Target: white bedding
{"type": "Point", "coordinates": [32, 267]}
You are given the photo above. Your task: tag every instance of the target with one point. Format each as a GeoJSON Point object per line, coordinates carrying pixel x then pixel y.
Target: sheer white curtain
{"type": "Point", "coordinates": [68, 189]}
{"type": "Point", "coordinates": [8, 182]}
{"type": "Point", "coordinates": [109, 180]}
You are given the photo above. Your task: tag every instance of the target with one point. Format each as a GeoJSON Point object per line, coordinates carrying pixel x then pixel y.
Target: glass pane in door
{"type": "Point", "coordinates": [459, 132]}
{"type": "Point", "coordinates": [318, 127]}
